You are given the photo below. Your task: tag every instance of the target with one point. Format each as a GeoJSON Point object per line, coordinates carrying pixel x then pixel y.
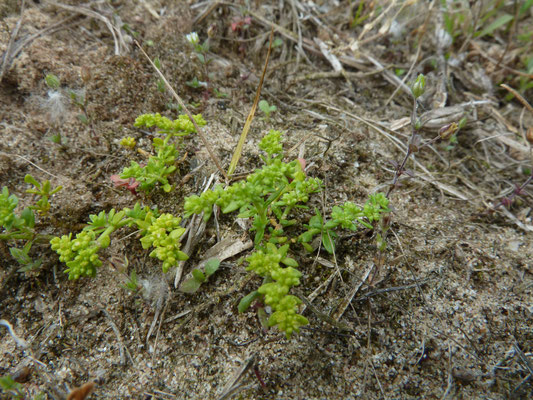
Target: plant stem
{"type": "Point", "coordinates": [37, 238]}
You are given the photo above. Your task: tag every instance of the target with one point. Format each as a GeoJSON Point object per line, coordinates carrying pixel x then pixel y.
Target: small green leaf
{"type": "Point", "coordinates": [33, 265]}
{"type": "Point", "coordinates": [31, 180]}
{"type": "Point", "coordinates": [247, 300]}
{"type": "Point", "coordinates": [132, 283]}
{"type": "Point", "coordinates": [104, 241]}
{"type": "Point", "coordinates": [263, 317]}
{"type": "Point", "coordinates": [52, 81]}
{"type": "Point", "coordinates": [331, 224]}
{"type": "Point", "coordinates": [46, 187]}
{"type": "Point", "coordinates": [277, 42]}
{"type": "Point", "coordinates": [327, 241]}
{"type": "Point", "coordinates": [291, 262]}
{"type": "Point", "coordinates": [83, 119]}
{"type": "Point", "coordinates": [20, 255]}
{"type": "Point", "coordinates": [234, 205]}
{"type": "Point", "coordinates": [500, 21]}
{"type": "Point", "coordinates": [29, 217]}
{"type": "Point", "coordinates": [190, 286]}
{"type": "Point", "coordinates": [527, 4]}
{"type": "Point", "coordinates": [198, 275]}
{"type": "Point", "coordinates": [211, 266]}
{"type": "Point", "coordinates": [316, 220]}
{"type": "Point", "coordinates": [308, 247]}
{"type": "Point", "coordinates": [264, 106]}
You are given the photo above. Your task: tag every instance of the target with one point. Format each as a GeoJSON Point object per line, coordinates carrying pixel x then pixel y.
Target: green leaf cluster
{"type": "Point", "coordinates": [182, 126]}
{"type": "Point", "coordinates": [276, 189]}
{"type": "Point", "coordinates": [162, 232]}
{"type": "Point", "coordinates": [21, 226]}
{"type": "Point", "coordinates": [160, 166]}
{"type": "Point", "coordinates": [164, 235]}
{"type": "Point", "coordinates": [348, 216]}
{"type": "Point", "coordinates": [278, 281]}
{"type": "Point", "coordinates": [8, 203]}
{"type": "Point", "coordinates": [267, 196]}
{"type": "Point", "coordinates": [128, 142]}
{"type": "Point", "coordinates": [44, 191]}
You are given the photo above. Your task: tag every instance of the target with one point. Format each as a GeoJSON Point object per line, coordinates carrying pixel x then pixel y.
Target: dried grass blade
{"type": "Point", "coordinates": [249, 119]}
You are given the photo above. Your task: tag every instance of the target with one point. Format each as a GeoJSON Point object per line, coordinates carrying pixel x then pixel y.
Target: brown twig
{"type": "Point", "coordinates": [518, 96]}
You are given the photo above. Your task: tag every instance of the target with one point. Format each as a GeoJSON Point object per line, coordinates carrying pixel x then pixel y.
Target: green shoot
{"type": "Point", "coordinates": [44, 191]}
{"type": "Point", "coordinates": [267, 109]}
{"type": "Point", "coordinates": [198, 277]}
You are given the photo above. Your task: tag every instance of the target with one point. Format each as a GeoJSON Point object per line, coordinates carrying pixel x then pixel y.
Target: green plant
{"type": "Point", "coordinates": [359, 17]}
{"type": "Point", "coordinates": [269, 197]}
{"type": "Point", "coordinates": [160, 166]}
{"type": "Point", "coordinates": [14, 390]}
{"type": "Point", "coordinates": [128, 142]}
{"type": "Point", "coordinates": [15, 227]}
{"type": "Point", "coordinates": [11, 388]}
{"type": "Point", "coordinates": [484, 20]}
{"type": "Point", "coordinates": [276, 189]}
{"type": "Point", "coordinates": [160, 83]}
{"type": "Point", "coordinates": [132, 282]}
{"type": "Point", "coordinates": [348, 216]}
{"type": "Point", "coordinates": [198, 277]}
{"type": "Point", "coordinates": [44, 191]}
{"type": "Point", "coordinates": [266, 262]}
{"type": "Point", "coordinates": [58, 139]}
{"type": "Point", "coordinates": [267, 109]}
{"type": "Point", "coordinates": [200, 51]}
{"type": "Point", "coordinates": [162, 232]}
{"type": "Point", "coordinates": [196, 84]}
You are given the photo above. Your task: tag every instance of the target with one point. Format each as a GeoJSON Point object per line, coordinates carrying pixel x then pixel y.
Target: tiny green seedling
{"type": "Point", "coordinates": [277, 42]}
{"type": "Point", "coordinates": [44, 191]}
{"type": "Point", "coordinates": [160, 83]}
{"type": "Point", "coordinates": [196, 84]}
{"type": "Point", "coordinates": [198, 277]}
{"type": "Point", "coordinates": [201, 52]}
{"type": "Point", "coordinates": [128, 142]}
{"type": "Point", "coordinates": [52, 81]}
{"type": "Point", "coordinates": [267, 109]}
{"type": "Point", "coordinates": [132, 282]}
